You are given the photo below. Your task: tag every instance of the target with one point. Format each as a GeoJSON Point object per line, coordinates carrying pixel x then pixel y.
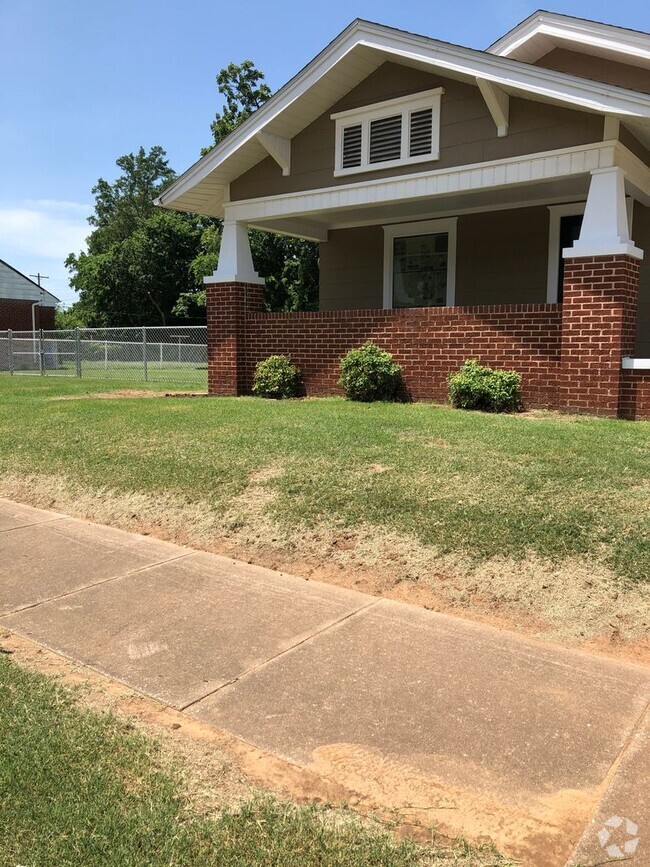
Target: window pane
{"type": "Point", "coordinates": [420, 270]}
{"type": "Point", "coordinates": [386, 139]}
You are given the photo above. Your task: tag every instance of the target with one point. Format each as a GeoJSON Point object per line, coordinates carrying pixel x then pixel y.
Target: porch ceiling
{"type": "Point", "coordinates": [316, 226]}
{"type": "Point", "coordinates": [553, 177]}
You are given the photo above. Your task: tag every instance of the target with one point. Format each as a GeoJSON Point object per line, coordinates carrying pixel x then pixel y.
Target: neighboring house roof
{"type": "Point", "coordinates": [360, 49]}
{"type": "Point", "coordinates": [18, 287]}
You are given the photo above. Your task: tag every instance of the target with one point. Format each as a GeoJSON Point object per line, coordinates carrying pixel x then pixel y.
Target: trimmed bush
{"type": "Point", "coordinates": [369, 373]}
{"type": "Point", "coordinates": [276, 377]}
{"type": "Point", "coordinates": [479, 387]}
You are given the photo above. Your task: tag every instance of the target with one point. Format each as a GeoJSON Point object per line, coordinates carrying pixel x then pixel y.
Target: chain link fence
{"type": "Point", "coordinates": [173, 355]}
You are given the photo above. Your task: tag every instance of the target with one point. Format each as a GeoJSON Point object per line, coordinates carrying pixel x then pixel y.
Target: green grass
{"type": "Point", "coordinates": [172, 374]}
{"type": "Point", "coordinates": [465, 483]}
{"type": "Point", "coordinates": [80, 789]}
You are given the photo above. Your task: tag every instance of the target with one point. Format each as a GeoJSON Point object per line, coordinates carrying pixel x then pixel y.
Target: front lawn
{"type": "Point", "coordinates": [79, 789]}
{"type": "Point", "coordinates": [539, 514]}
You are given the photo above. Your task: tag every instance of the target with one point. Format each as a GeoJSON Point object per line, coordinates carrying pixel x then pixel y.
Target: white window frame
{"type": "Point", "coordinates": [404, 105]}
{"type": "Point", "coordinates": [408, 230]}
{"type": "Point", "coordinates": [556, 212]}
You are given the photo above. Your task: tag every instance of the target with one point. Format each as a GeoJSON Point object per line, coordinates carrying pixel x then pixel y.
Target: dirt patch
{"type": "Point", "coordinates": [220, 772]}
{"type": "Point", "coordinates": [575, 602]}
{"type": "Point", "coordinates": [136, 392]}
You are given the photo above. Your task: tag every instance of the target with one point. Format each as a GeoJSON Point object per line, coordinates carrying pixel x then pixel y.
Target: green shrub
{"type": "Point", "coordinates": [479, 387]}
{"type": "Point", "coordinates": [276, 377]}
{"type": "Point", "coordinates": [369, 373]}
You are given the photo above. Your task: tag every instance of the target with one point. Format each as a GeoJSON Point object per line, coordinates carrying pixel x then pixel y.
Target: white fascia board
{"type": "Point", "coordinates": [618, 40]}
{"type": "Point", "coordinates": [556, 86]}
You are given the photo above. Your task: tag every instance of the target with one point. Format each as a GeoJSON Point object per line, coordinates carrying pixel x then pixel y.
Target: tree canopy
{"type": "Point", "coordinates": [139, 257]}
{"type": "Point", "coordinates": [145, 265]}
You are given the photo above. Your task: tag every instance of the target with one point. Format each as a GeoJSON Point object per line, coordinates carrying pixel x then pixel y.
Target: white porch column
{"type": "Point", "coordinates": [605, 230]}
{"type": "Point", "coordinates": [235, 260]}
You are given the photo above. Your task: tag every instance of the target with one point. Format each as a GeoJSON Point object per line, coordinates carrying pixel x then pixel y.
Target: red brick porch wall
{"type": "Point", "coordinates": [635, 395]}
{"type": "Point", "coordinates": [429, 343]}
{"type": "Point", "coordinates": [17, 315]}
{"type": "Point", "coordinates": [569, 355]}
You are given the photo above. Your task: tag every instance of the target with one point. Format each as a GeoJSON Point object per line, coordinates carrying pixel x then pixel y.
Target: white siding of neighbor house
{"type": "Point", "coordinates": [16, 286]}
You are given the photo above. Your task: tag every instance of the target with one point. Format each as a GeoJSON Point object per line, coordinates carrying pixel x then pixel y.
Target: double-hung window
{"type": "Point", "coordinates": [420, 264]}
{"type": "Point", "coordinates": [391, 133]}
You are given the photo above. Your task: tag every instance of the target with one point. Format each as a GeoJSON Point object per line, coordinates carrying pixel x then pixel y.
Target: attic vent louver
{"type": "Point", "coordinates": [388, 134]}
{"type": "Point", "coordinates": [421, 132]}
{"type": "Point", "coordinates": [385, 139]}
{"type": "Point", "coordinates": [351, 146]}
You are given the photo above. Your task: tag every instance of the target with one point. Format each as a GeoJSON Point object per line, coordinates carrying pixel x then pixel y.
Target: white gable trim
{"type": "Point", "coordinates": [591, 34]}
{"type": "Point", "coordinates": [543, 83]}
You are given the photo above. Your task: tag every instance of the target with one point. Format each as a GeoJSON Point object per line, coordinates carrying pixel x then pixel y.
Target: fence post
{"type": "Point", "coordinates": [144, 353]}
{"type": "Point", "coordinates": [41, 352]}
{"type": "Point", "coordinates": [77, 351]}
{"type": "Point", "coordinates": [10, 350]}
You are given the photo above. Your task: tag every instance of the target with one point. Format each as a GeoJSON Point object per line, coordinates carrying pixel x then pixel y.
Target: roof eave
{"type": "Point", "coordinates": [560, 86]}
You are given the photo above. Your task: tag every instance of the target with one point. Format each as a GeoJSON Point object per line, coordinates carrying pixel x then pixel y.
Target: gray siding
{"type": "Point", "coordinates": [501, 259]}
{"type": "Point", "coordinates": [596, 68]}
{"type": "Point", "coordinates": [467, 135]}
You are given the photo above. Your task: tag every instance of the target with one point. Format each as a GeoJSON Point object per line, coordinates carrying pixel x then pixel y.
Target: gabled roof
{"type": "Point", "coordinates": [16, 285]}
{"type": "Point", "coordinates": [542, 31]}
{"type": "Point", "coordinates": [360, 49]}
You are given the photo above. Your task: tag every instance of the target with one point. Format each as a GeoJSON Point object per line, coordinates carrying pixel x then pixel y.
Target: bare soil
{"type": "Point", "coordinates": [219, 771]}
{"type": "Point", "coordinates": [573, 602]}
{"type": "Point", "coordinates": [131, 393]}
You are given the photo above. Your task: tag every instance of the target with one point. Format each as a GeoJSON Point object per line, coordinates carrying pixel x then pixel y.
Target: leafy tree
{"type": "Point", "coordinates": [139, 257]}
{"type": "Point", "coordinates": [122, 206]}
{"type": "Point", "coordinates": [73, 316]}
{"type": "Point", "coordinates": [245, 91]}
{"type": "Point", "coordinates": [289, 265]}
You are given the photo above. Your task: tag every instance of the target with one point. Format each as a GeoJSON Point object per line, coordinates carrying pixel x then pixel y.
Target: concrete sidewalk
{"type": "Point", "coordinates": [462, 726]}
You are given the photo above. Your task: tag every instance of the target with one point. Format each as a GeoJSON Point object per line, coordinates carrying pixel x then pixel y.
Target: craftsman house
{"type": "Point", "coordinates": [468, 204]}
{"type": "Point", "coordinates": [23, 304]}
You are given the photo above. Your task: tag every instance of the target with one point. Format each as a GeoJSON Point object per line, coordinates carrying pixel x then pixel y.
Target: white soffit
{"type": "Point", "coordinates": [544, 31]}
{"type": "Point", "coordinates": [346, 62]}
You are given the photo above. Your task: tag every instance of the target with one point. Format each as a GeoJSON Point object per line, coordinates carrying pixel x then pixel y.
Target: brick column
{"type": "Point", "coordinates": [598, 328]}
{"type": "Point", "coordinates": [228, 304]}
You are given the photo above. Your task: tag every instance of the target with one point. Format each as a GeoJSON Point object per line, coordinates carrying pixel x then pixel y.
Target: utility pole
{"type": "Point", "coordinates": [39, 277]}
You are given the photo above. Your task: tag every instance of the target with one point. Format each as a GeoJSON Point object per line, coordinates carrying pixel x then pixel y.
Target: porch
{"type": "Point", "coordinates": [530, 266]}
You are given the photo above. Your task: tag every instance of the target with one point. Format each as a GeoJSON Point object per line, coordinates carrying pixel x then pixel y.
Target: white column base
{"type": "Point", "coordinates": [605, 230]}
{"type": "Point", "coordinates": [234, 278]}
{"type": "Point", "coordinates": [625, 248]}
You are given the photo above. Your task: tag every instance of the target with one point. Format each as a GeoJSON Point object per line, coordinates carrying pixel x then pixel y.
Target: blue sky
{"type": "Point", "coordinates": [83, 82]}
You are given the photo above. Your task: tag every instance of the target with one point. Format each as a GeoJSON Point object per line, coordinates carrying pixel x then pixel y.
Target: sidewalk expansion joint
{"type": "Point", "coordinates": [35, 524]}
{"type": "Point", "coordinates": [255, 668]}
{"type": "Point", "coordinates": [83, 587]}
